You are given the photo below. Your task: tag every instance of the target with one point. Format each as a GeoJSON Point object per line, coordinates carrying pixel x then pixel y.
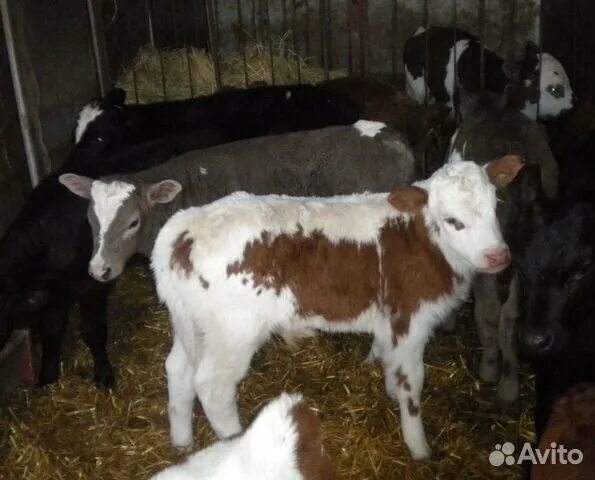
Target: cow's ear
{"type": "Point", "coordinates": [513, 71]}
{"type": "Point", "coordinates": [115, 96]}
{"type": "Point", "coordinates": [504, 170]}
{"type": "Point", "coordinates": [409, 199]}
{"type": "Point", "coordinates": [77, 184]}
{"type": "Point", "coordinates": [163, 192]}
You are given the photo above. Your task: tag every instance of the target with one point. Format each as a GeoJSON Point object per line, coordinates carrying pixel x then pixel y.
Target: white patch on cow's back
{"type": "Point", "coordinates": [203, 170]}
{"type": "Point", "coordinates": [287, 94]}
{"type": "Point", "coordinates": [368, 128]}
{"type": "Point", "coordinates": [87, 114]}
{"type": "Point", "coordinates": [420, 30]}
{"type": "Point", "coordinates": [449, 80]}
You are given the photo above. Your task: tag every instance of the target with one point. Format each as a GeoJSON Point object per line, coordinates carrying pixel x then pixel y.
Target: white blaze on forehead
{"type": "Point", "coordinates": [88, 113]}
{"type": "Point", "coordinates": [368, 128]}
{"type": "Point", "coordinates": [107, 199]}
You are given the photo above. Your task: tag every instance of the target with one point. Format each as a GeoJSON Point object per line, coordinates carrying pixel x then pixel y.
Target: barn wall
{"type": "Point", "coordinates": [506, 25]}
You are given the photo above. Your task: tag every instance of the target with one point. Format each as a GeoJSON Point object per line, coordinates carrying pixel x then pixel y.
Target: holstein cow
{"type": "Point", "coordinates": [557, 331]}
{"type": "Point", "coordinates": [127, 212]}
{"type": "Point", "coordinates": [108, 125]}
{"type": "Point", "coordinates": [44, 253]}
{"type": "Point", "coordinates": [488, 131]}
{"type": "Point", "coordinates": [551, 90]}
{"type": "Point", "coordinates": [394, 265]}
{"type": "Point", "coordinates": [284, 442]}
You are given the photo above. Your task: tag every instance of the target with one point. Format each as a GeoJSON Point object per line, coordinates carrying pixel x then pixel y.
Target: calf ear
{"type": "Point", "coordinates": [504, 170]}
{"type": "Point", "coordinates": [409, 199]}
{"type": "Point", "coordinates": [163, 192]}
{"type": "Point", "coordinates": [77, 184]}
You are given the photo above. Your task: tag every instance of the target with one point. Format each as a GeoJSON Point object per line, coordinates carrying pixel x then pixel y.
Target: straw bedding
{"type": "Point", "coordinates": [72, 431]}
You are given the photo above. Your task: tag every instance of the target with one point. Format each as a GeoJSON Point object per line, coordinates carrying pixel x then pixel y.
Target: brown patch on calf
{"type": "Point", "coordinates": [313, 462]}
{"type": "Point", "coordinates": [504, 170]}
{"type": "Point", "coordinates": [412, 408]}
{"type": "Point", "coordinates": [415, 271]}
{"type": "Point", "coordinates": [336, 281]}
{"type": "Point", "coordinates": [339, 281]}
{"type": "Point", "coordinates": [571, 424]}
{"type": "Point", "coordinates": [402, 380]}
{"type": "Point", "coordinates": [180, 255]}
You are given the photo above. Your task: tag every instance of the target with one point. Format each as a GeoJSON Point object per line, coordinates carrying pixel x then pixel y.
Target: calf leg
{"type": "Point", "coordinates": [508, 387]}
{"type": "Point", "coordinates": [181, 395]}
{"type": "Point", "coordinates": [52, 326]}
{"type": "Point", "coordinates": [486, 313]}
{"type": "Point", "coordinates": [221, 368]}
{"type": "Point", "coordinates": [404, 376]}
{"type": "Point", "coordinates": [93, 308]}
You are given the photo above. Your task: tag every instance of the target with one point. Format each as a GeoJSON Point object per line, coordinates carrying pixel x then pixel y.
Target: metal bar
{"type": "Point", "coordinates": [295, 43]}
{"type": "Point", "coordinates": [481, 16]}
{"type": "Point", "coordinates": [393, 41]}
{"type": "Point", "coordinates": [538, 112]}
{"type": "Point", "coordinates": [242, 41]}
{"type": "Point", "coordinates": [363, 36]}
{"type": "Point", "coordinates": [213, 43]}
{"type": "Point", "coordinates": [307, 28]}
{"type": "Point", "coordinates": [149, 12]}
{"type": "Point", "coordinates": [575, 16]}
{"type": "Point", "coordinates": [135, 84]}
{"type": "Point", "coordinates": [172, 4]}
{"type": "Point", "coordinates": [455, 93]}
{"type": "Point", "coordinates": [511, 29]}
{"type": "Point", "coordinates": [284, 26]}
{"type": "Point", "coordinates": [188, 66]}
{"type": "Point", "coordinates": [426, 22]}
{"type": "Point", "coordinates": [20, 97]}
{"type": "Point", "coordinates": [329, 34]}
{"type": "Point", "coordinates": [269, 41]}
{"type": "Point", "coordinates": [323, 37]}
{"type": "Point", "coordinates": [254, 31]}
{"type": "Point", "coordinates": [99, 45]}
{"type": "Point", "coordinates": [349, 37]}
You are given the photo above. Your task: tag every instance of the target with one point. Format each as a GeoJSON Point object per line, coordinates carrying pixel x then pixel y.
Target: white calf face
{"type": "Point", "coordinates": [461, 213]}
{"type": "Point", "coordinates": [556, 94]}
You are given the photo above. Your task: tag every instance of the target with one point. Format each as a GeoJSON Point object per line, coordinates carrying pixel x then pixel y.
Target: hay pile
{"type": "Point", "coordinates": [190, 72]}
{"type": "Point", "coordinates": [72, 431]}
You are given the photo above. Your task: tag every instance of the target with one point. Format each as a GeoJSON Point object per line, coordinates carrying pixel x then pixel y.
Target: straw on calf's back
{"type": "Point", "coordinates": [126, 212]}
{"type": "Point", "coordinates": [284, 442]}
{"type": "Point", "coordinates": [237, 270]}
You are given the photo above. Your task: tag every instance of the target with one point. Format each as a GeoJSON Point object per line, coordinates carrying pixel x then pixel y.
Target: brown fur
{"type": "Point", "coordinates": [413, 409]}
{"type": "Point", "coordinates": [340, 281]}
{"type": "Point", "coordinates": [313, 462]}
{"type": "Point", "coordinates": [505, 169]}
{"type": "Point", "coordinates": [180, 255]}
{"type": "Point", "coordinates": [571, 424]}
{"type": "Point", "coordinates": [402, 380]}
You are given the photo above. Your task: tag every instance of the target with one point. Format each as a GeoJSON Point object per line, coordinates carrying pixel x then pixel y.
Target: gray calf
{"type": "Point", "coordinates": [489, 131]}
{"type": "Point", "coordinates": [126, 212]}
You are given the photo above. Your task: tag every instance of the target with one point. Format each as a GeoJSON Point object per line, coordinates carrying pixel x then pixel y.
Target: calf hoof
{"type": "Point", "coordinates": [508, 391]}
{"type": "Point", "coordinates": [488, 371]}
{"type": "Point", "coordinates": [105, 379]}
{"type": "Point", "coordinates": [421, 452]}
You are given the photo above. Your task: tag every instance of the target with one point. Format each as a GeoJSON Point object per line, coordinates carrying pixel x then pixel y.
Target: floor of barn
{"type": "Point", "coordinates": [71, 430]}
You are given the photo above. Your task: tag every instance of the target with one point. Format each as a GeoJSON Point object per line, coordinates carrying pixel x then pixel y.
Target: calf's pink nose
{"type": "Point", "coordinates": [498, 258]}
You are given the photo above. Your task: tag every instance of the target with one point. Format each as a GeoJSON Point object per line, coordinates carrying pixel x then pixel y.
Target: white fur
{"type": "Point", "coordinates": [266, 451]}
{"type": "Point", "coordinates": [419, 31]}
{"type": "Point", "coordinates": [368, 128]}
{"type": "Point", "coordinates": [87, 114]}
{"type": "Point", "coordinates": [552, 73]}
{"type": "Point", "coordinates": [449, 79]}
{"type": "Point", "coordinates": [416, 87]}
{"type": "Point", "coordinates": [203, 171]}
{"type": "Point", "coordinates": [287, 94]}
{"type": "Point", "coordinates": [107, 199]}
{"type": "Point", "coordinates": [218, 329]}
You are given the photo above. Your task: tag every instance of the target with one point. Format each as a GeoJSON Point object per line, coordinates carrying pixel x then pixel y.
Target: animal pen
{"type": "Point", "coordinates": [61, 54]}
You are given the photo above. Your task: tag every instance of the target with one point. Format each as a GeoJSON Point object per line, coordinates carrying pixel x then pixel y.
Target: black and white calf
{"type": "Point", "coordinates": [108, 125]}
{"type": "Point", "coordinates": [551, 89]}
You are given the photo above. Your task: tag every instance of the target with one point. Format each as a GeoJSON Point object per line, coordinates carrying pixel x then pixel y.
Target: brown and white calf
{"type": "Point", "coordinates": [284, 442]}
{"type": "Point", "coordinates": [237, 270]}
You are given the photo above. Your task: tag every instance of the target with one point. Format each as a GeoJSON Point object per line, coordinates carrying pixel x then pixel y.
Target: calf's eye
{"type": "Point", "coordinates": [453, 222]}
{"type": "Point", "coordinates": [133, 224]}
{"type": "Point", "coordinates": [556, 91]}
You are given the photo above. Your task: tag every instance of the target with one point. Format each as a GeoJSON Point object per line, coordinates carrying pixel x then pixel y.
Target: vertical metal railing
{"type": "Point", "coordinates": [212, 23]}
{"type": "Point", "coordinates": [296, 50]}
{"type": "Point", "coordinates": [481, 20]}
